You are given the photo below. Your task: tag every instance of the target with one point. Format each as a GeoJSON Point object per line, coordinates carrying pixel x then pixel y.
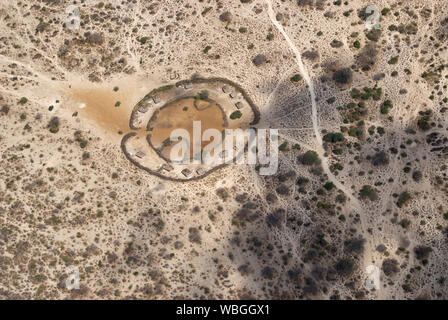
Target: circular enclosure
{"type": "Point", "coordinates": [214, 103]}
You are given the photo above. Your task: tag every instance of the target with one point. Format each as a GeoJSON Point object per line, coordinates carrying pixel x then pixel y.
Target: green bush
{"type": "Point", "coordinates": [329, 185]}
{"type": "Point", "coordinates": [296, 78]}
{"type": "Point", "coordinates": [334, 137]}
{"type": "Point", "coordinates": [393, 60]}
{"type": "Point", "coordinates": [423, 124]}
{"type": "Point", "coordinates": [53, 125]}
{"type": "Point", "coordinates": [374, 35]}
{"type": "Point", "coordinates": [403, 199]}
{"type": "Point", "coordinates": [310, 157]}
{"type": "Point", "coordinates": [236, 115]}
{"type": "Point", "coordinates": [143, 40]}
{"type": "Point", "coordinates": [368, 192]}
{"type": "Point", "coordinates": [207, 49]}
{"type": "Point", "coordinates": [283, 146]}
{"type": "Point", "coordinates": [386, 106]}
{"type": "Point", "coordinates": [385, 11]}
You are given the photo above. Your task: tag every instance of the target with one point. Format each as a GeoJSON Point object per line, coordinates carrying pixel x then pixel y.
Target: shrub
{"type": "Point", "coordinates": [226, 17]}
{"type": "Point", "coordinates": [143, 40]}
{"type": "Point", "coordinates": [296, 78]}
{"type": "Point", "coordinates": [236, 115]}
{"type": "Point", "coordinates": [343, 76]}
{"type": "Point", "coordinates": [311, 55]}
{"type": "Point", "coordinates": [422, 252]}
{"type": "Point", "coordinates": [385, 11]}
{"type": "Point", "coordinates": [83, 143]}
{"type": "Point", "coordinates": [341, 198]}
{"type": "Point", "coordinates": [207, 49]}
{"type": "Point", "coordinates": [283, 146]}
{"type": "Point", "coordinates": [302, 3]}
{"type": "Point", "coordinates": [336, 43]}
{"type": "Point", "coordinates": [374, 35]}
{"type": "Point", "coordinates": [53, 125]}
{"type": "Point", "coordinates": [5, 109]}
{"type": "Point", "coordinates": [259, 59]}
{"type": "Point", "coordinates": [380, 159]}
{"type": "Point", "coordinates": [403, 199]}
{"type": "Point", "coordinates": [390, 267]}
{"type": "Point", "coordinates": [345, 267]}
{"type": "Point", "coordinates": [386, 106]}
{"type": "Point", "coordinates": [423, 124]}
{"type": "Point", "coordinates": [310, 157]}
{"type": "Point", "coordinates": [267, 273]}
{"type": "Point", "coordinates": [274, 220]}
{"type": "Point", "coordinates": [355, 132]}
{"type": "Point", "coordinates": [334, 137]}
{"type": "Point", "coordinates": [329, 185]}
{"type": "Point", "coordinates": [354, 245]}
{"type": "Point", "coordinates": [42, 26]}
{"type": "Point", "coordinates": [368, 192]}
{"type": "Point", "coordinates": [405, 223]}
{"type": "Point", "coordinates": [194, 236]}
{"type": "Point", "coordinates": [393, 60]}
{"type": "Point", "coordinates": [368, 55]}
{"type": "Point", "coordinates": [417, 175]}
{"type": "Point", "coordinates": [282, 189]}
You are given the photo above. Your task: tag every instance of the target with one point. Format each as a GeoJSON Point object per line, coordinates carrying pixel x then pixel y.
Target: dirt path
{"type": "Point", "coordinates": [367, 259]}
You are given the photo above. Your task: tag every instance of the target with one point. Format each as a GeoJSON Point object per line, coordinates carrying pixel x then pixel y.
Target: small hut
{"type": "Point", "coordinates": [224, 154]}
{"type": "Point", "coordinates": [186, 172]}
{"type": "Point", "coordinates": [143, 108]}
{"type": "Point", "coordinates": [156, 99]}
{"type": "Point", "coordinates": [167, 167]}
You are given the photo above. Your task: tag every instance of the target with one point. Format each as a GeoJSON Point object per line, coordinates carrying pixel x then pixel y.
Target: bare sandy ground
{"type": "Point", "coordinates": [377, 196]}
